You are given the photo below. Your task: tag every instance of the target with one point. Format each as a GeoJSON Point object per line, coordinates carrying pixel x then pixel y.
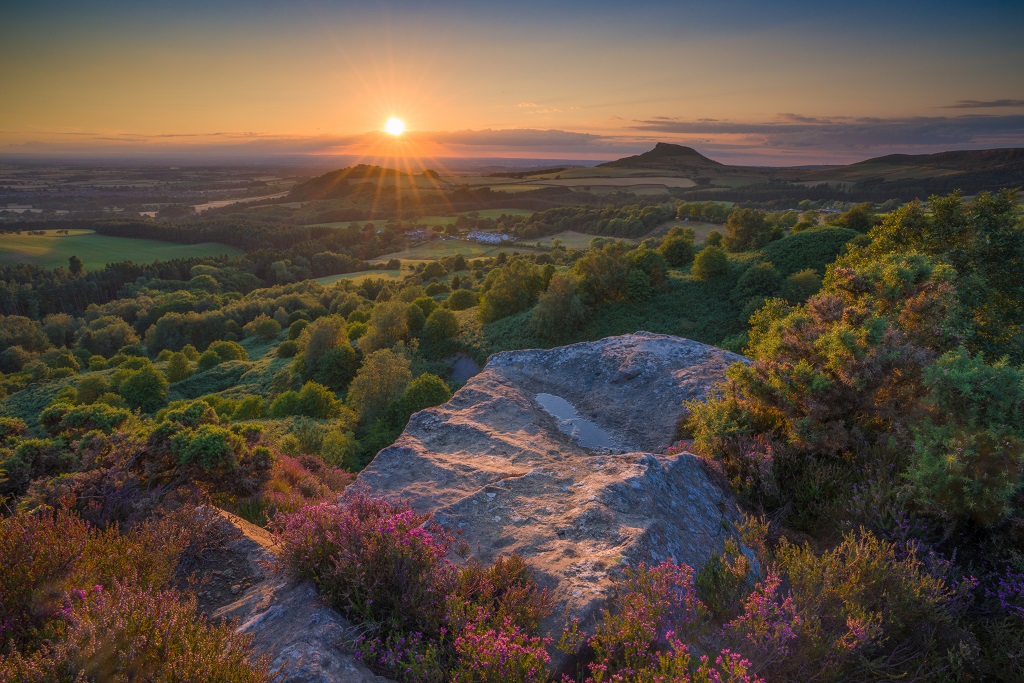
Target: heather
{"type": "Point", "coordinates": [100, 604]}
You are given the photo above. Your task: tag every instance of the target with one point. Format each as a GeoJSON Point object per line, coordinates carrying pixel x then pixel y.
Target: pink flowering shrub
{"type": "Point", "coordinates": [425, 618]}
{"type": "Point", "coordinates": [82, 603]}
{"type": "Point", "coordinates": [133, 634]}
{"type": "Point", "coordinates": [498, 654]}
{"type": "Point", "coordinates": [641, 638]}
{"type": "Point", "coordinates": [372, 560]}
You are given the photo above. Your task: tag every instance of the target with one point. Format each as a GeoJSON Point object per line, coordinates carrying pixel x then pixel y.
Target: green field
{"type": "Point", "coordinates": [359, 277]}
{"type": "Point", "coordinates": [569, 239]}
{"type": "Point", "coordinates": [432, 221]}
{"type": "Point", "coordinates": [436, 249]}
{"type": "Point", "coordinates": [96, 251]}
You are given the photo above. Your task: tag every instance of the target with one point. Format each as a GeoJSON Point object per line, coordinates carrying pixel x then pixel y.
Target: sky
{"type": "Point", "coordinates": [743, 81]}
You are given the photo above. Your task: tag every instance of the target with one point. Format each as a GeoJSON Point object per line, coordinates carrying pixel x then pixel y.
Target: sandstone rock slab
{"type": "Point", "coordinates": [494, 465]}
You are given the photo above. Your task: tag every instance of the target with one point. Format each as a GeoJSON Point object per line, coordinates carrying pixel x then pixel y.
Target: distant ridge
{"type": "Point", "coordinates": [339, 183]}
{"type": "Point", "coordinates": [666, 156]}
{"type": "Point", "coordinates": [961, 160]}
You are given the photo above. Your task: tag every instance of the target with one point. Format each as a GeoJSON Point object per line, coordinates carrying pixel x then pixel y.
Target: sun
{"type": "Point", "coordinates": [395, 126]}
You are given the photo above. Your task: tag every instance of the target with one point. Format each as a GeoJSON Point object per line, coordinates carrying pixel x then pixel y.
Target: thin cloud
{"type": "Point", "coordinates": [855, 133]}
{"type": "Point", "coordinates": [984, 104]}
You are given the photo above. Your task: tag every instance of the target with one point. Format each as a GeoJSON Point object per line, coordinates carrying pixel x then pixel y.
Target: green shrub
{"type": "Point", "coordinates": [814, 249]}
{"type": "Point", "coordinates": [228, 350]}
{"type": "Point", "coordinates": [381, 380]}
{"type": "Point", "coordinates": [208, 360]}
{"type": "Point", "coordinates": [284, 405]}
{"type": "Point", "coordinates": [461, 299]}
{"type": "Point", "coordinates": [710, 263]}
{"type": "Point", "coordinates": [287, 349]}
{"type": "Point", "coordinates": [316, 400]}
{"type": "Point", "coordinates": [145, 389]}
{"type": "Point", "coordinates": [262, 326]}
{"type": "Point", "coordinates": [969, 451]}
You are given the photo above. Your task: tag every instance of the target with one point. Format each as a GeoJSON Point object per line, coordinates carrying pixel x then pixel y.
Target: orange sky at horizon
{"type": "Point", "coordinates": [580, 81]}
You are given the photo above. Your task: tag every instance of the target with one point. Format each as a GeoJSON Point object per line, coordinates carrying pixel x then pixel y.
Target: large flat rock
{"type": "Point", "coordinates": [495, 465]}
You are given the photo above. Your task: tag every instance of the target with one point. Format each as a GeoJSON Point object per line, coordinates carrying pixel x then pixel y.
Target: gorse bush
{"type": "Point", "coordinates": [968, 459]}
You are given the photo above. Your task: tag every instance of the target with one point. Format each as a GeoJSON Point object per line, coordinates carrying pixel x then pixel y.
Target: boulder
{"type": "Point", "coordinates": [560, 456]}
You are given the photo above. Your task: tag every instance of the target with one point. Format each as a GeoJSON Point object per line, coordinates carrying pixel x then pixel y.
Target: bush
{"type": "Point", "coordinates": [263, 326]}
{"type": "Point", "coordinates": [381, 380]}
{"type": "Point", "coordinates": [208, 360]}
{"type": "Point", "coordinates": [441, 327]}
{"type": "Point", "coordinates": [814, 249]}
{"type": "Point", "coordinates": [388, 326]}
{"type": "Point", "coordinates": [460, 300]}
{"type": "Point", "coordinates": [424, 618]}
{"type": "Point", "coordinates": [228, 350]}
{"type": "Point", "coordinates": [710, 263]}
{"type": "Point", "coordinates": [336, 368]}
{"type": "Point", "coordinates": [677, 251]}
{"type": "Point", "coordinates": [284, 405]}
{"type": "Point", "coordinates": [145, 389]}
{"type": "Point", "coordinates": [969, 451]}
{"type": "Point", "coordinates": [91, 388]}
{"type": "Point", "coordinates": [287, 349]}
{"type": "Point", "coordinates": [510, 289]}
{"type": "Point", "coordinates": [316, 400]}
{"type": "Point", "coordinates": [178, 367]}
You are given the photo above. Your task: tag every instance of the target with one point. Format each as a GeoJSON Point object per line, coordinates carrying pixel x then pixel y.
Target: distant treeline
{"type": "Point", "coordinates": [872, 190]}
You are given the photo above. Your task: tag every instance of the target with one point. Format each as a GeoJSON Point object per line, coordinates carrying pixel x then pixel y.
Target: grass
{"type": "Point", "coordinates": [569, 238]}
{"type": "Point", "coordinates": [359, 277]}
{"type": "Point", "coordinates": [96, 251]}
{"type": "Point", "coordinates": [437, 249]}
{"type": "Point", "coordinates": [432, 221]}
{"type": "Point", "coordinates": [634, 181]}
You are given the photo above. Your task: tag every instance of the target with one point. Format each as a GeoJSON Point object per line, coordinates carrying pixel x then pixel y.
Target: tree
{"type": "Point", "coordinates": [710, 263]}
{"type": "Point", "coordinates": [178, 367]}
{"type": "Point", "coordinates": [441, 326]}
{"type": "Point", "coordinates": [75, 265]}
{"type": "Point", "coordinates": [388, 326]}
{"type": "Point", "coordinates": [745, 229]}
{"type": "Point", "coordinates": [677, 251]}
{"type": "Point", "coordinates": [316, 400]}
{"type": "Point", "coordinates": [381, 381]}
{"type": "Point", "coordinates": [316, 339]}
{"type": "Point", "coordinates": [263, 326]}
{"type": "Point", "coordinates": [145, 389]}
{"type": "Point", "coordinates": [560, 312]}
{"type": "Point", "coordinates": [509, 289]}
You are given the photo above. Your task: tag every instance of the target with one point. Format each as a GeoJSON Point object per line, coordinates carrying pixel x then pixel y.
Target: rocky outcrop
{"type": "Point", "coordinates": [306, 641]}
{"type": "Point", "coordinates": [558, 455]}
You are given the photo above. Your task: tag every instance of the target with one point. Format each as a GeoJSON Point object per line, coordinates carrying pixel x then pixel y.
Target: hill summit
{"type": "Point", "coordinates": [668, 156]}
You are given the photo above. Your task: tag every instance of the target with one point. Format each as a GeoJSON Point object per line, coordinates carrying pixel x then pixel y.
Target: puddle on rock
{"type": "Point", "coordinates": [581, 430]}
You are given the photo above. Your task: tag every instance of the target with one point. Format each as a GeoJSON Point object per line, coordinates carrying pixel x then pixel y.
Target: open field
{"type": "Point", "coordinates": [629, 181]}
{"type": "Point", "coordinates": [569, 238]}
{"type": "Point", "coordinates": [364, 275]}
{"type": "Point", "coordinates": [432, 221]}
{"type": "Point", "coordinates": [436, 249]}
{"type": "Point", "coordinates": [50, 251]}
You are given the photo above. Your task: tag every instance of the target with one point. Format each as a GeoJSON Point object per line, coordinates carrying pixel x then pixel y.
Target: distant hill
{"type": "Point", "coordinates": [894, 175]}
{"type": "Point", "coordinates": [342, 182]}
{"type": "Point", "coordinates": [666, 157]}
